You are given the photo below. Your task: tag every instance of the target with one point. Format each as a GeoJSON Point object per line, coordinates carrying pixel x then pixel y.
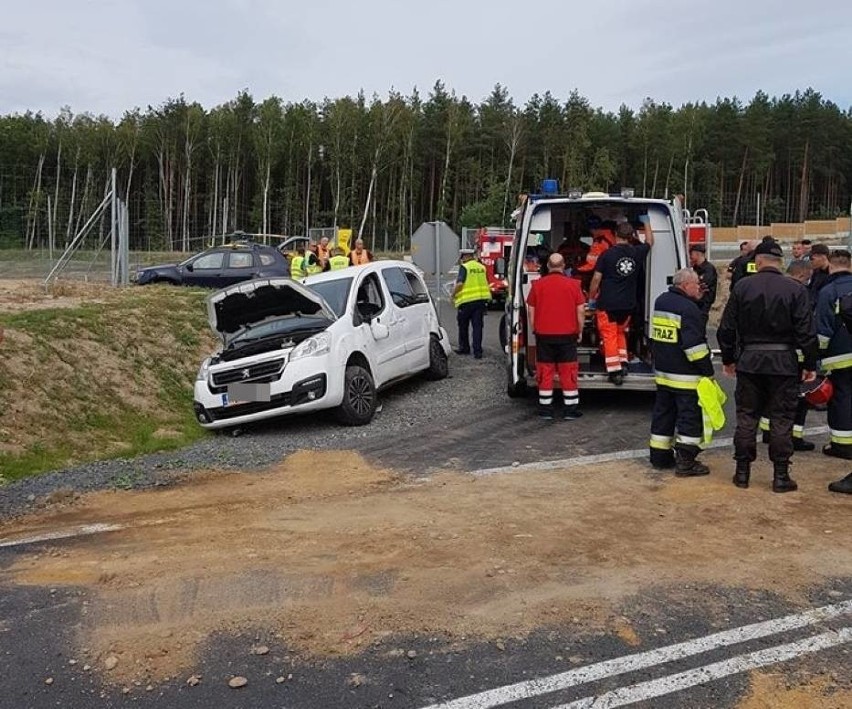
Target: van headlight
{"type": "Point", "coordinates": [313, 346]}
{"type": "Point", "coordinates": [203, 370]}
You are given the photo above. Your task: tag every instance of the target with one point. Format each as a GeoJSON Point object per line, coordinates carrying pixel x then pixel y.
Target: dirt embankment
{"type": "Point", "coordinates": [330, 554]}
{"type": "Point", "coordinates": [88, 370]}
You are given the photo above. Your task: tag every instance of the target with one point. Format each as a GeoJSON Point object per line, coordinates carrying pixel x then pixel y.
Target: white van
{"type": "Point", "coordinates": [547, 221]}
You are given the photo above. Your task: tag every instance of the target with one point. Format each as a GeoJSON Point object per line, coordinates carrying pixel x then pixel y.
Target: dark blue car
{"type": "Point", "coordinates": [220, 266]}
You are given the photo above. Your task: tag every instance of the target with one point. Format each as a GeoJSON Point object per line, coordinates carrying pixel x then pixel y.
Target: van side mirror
{"type": "Point", "coordinates": [500, 267]}
{"type": "Point", "coordinates": [188, 267]}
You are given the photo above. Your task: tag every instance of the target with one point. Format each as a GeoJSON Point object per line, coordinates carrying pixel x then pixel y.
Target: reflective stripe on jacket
{"type": "Point", "coordinates": [835, 341]}
{"type": "Point", "coordinates": [475, 284]}
{"type": "Point", "coordinates": [679, 340]}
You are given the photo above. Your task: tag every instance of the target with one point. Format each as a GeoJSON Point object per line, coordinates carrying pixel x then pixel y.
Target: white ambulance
{"type": "Point", "coordinates": [549, 222]}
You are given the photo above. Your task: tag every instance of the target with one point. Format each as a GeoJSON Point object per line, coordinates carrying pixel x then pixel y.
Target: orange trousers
{"type": "Point", "coordinates": [613, 340]}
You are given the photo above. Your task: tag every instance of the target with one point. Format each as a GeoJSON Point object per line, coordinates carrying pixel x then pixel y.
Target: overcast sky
{"type": "Point", "coordinates": [108, 56]}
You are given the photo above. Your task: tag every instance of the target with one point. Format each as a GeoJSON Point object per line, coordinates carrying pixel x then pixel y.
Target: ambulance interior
{"type": "Point", "coordinates": [567, 228]}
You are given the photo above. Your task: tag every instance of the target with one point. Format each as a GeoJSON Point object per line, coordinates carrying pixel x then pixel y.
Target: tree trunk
{"type": "Point", "coordinates": [73, 198]}
{"type": "Point", "coordinates": [740, 185]}
{"type": "Point", "coordinates": [803, 186]}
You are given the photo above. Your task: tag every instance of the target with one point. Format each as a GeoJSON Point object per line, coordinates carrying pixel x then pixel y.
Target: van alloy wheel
{"type": "Point", "coordinates": [359, 397]}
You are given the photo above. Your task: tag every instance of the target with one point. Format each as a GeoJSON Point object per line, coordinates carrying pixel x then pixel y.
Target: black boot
{"type": "Point", "coordinates": [545, 411]}
{"type": "Point", "coordinates": [742, 473]}
{"type": "Point", "coordinates": [662, 460]}
{"type": "Point", "coordinates": [571, 413]}
{"type": "Point", "coordinates": [800, 444]}
{"type": "Point", "coordinates": [781, 480]}
{"type": "Point", "coordinates": [844, 485]}
{"type": "Point", "coordinates": [687, 467]}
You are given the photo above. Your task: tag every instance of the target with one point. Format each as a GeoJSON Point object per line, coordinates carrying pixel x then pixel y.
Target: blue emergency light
{"type": "Point", "coordinates": [550, 186]}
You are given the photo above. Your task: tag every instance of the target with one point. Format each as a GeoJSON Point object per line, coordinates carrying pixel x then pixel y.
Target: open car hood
{"type": "Point", "coordinates": [252, 302]}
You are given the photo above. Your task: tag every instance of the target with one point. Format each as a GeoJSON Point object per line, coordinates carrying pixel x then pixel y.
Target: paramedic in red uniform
{"type": "Point", "coordinates": [614, 288]}
{"type": "Point", "coordinates": [557, 309]}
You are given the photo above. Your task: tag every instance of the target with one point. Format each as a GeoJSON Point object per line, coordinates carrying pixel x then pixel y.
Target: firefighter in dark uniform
{"type": "Point", "coordinates": [747, 266]}
{"type": "Point", "coordinates": [835, 344]}
{"type": "Point", "coordinates": [681, 359]}
{"type": "Point", "coordinates": [707, 276]}
{"type": "Point", "coordinates": [614, 287]}
{"type": "Point", "coordinates": [800, 271]}
{"type": "Point", "coordinates": [767, 317]}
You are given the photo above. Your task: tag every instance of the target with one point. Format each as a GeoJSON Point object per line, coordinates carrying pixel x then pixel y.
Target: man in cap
{"type": "Point", "coordinates": [471, 296]}
{"type": "Point", "coordinates": [707, 277]}
{"type": "Point", "coordinates": [767, 317]}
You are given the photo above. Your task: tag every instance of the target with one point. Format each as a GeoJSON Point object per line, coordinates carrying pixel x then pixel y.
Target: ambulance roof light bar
{"type": "Point", "coordinates": [627, 192]}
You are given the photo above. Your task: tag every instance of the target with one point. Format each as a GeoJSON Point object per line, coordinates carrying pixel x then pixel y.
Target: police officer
{"type": "Point", "coordinates": [471, 297]}
{"type": "Point", "coordinates": [681, 359]}
{"type": "Point", "coordinates": [766, 318]}
{"type": "Point", "coordinates": [835, 344]}
{"type": "Point", "coordinates": [613, 290]}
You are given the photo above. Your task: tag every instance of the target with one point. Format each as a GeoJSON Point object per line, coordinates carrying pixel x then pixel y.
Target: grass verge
{"type": "Point", "coordinates": [110, 376]}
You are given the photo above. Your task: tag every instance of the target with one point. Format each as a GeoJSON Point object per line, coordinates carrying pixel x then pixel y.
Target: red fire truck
{"type": "Point", "coordinates": [494, 243]}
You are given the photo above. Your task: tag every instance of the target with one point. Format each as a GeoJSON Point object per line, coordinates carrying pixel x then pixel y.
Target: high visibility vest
{"type": "Point", "coordinates": [475, 284]}
{"type": "Point", "coordinates": [338, 262]}
{"type": "Point", "coordinates": [313, 266]}
{"type": "Point", "coordinates": [297, 267]}
{"type": "Point", "coordinates": [359, 259]}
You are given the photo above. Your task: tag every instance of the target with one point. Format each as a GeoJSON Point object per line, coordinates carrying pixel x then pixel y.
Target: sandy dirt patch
{"type": "Point", "coordinates": [18, 294]}
{"type": "Point", "coordinates": [780, 691]}
{"type": "Point", "coordinates": [331, 554]}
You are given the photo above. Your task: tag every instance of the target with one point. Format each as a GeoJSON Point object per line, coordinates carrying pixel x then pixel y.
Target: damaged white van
{"type": "Point", "coordinates": [329, 342]}
{"type": "Point", "coordinates": [551, 222]}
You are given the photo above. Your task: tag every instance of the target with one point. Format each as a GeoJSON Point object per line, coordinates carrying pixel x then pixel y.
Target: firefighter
{"type": "Point", "coordinates": [337, 261]}
{"type": "Point", "coordinates": [835, 344]}
{"type": "Point", "coordinates": [557, 309]}
{"type": "Point", "coordinates": [766, 318]}
{"type": "Point", "coordinates": [745, 265]}
{"type": "Point", "coordinates": [799, 271]}
{"type": "Point", "coordinates": [471, 296]}
{"type": "Point", "coordinates": [708, 277]}
{"type": "Point", "coordinates": [681, 359]}
{"type": "Point", "coordinates": [613, 292]}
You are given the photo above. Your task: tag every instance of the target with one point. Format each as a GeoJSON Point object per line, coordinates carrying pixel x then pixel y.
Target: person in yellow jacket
{"type": "Point", "coordinates": [471, 296]}
{"type": "Point", "coordinates": [337, 261]}
{"type": "Point", "coordinates": [297, 263]}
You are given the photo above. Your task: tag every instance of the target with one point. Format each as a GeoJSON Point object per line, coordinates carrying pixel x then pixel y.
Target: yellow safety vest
{"type": "Point", "coordinates": [338, 262]}
{"type": "Point", "coordinates": [297, 267]}
{"type": "Point", "coordinates": [313, 267]}
{"type": "Point", "coordinates": [475, 284]}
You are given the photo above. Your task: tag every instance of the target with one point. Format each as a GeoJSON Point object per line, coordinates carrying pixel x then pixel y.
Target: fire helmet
{"type": "Point", "coordinates": [818, 392]}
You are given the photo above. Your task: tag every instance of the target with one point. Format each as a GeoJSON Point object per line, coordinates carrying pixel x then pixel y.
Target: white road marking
{"type": "Point", "coordinates": [700, 675]}
{"type": "Point", "coordinates": [631, 663]}
{"type": "Point", "coordinates": [563, 463]}
{"type": "Point", "coordinates": [85, 530]}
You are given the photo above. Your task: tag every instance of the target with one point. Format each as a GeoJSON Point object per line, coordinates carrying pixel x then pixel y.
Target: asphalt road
{"type": "Point", "coordinates": [39, 626]}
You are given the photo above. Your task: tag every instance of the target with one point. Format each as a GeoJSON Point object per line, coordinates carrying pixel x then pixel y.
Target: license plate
{"type": "Point", "coordinates": [243, 393]}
